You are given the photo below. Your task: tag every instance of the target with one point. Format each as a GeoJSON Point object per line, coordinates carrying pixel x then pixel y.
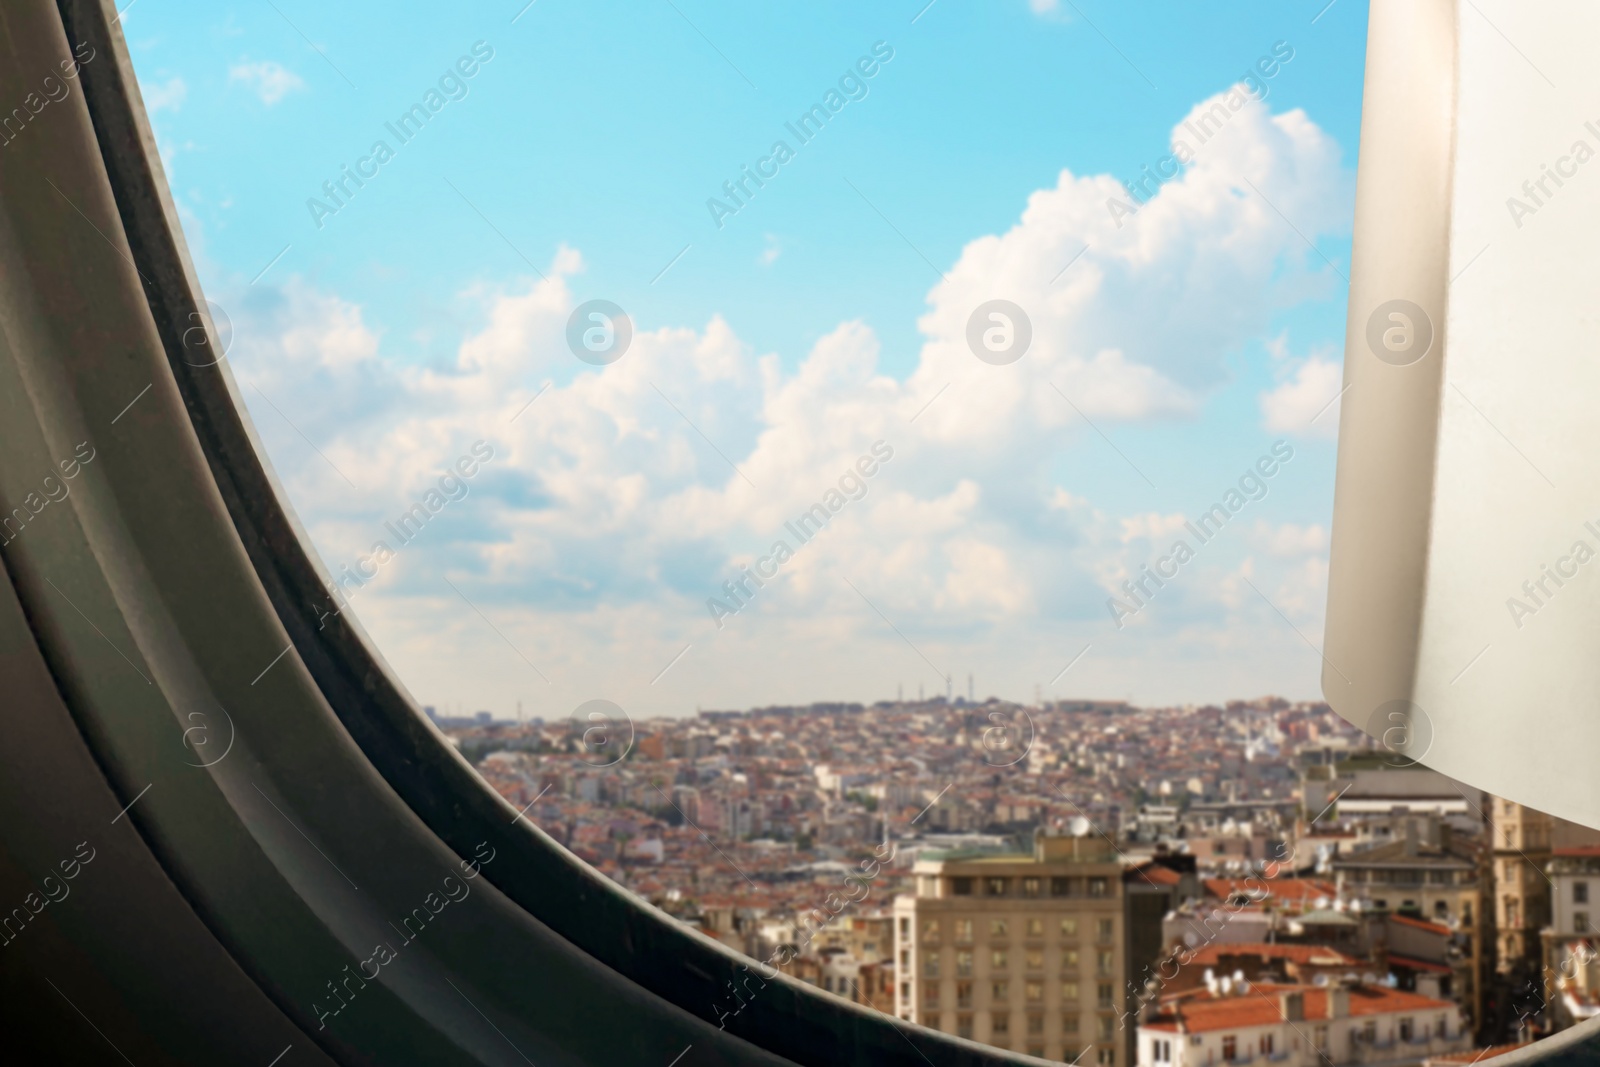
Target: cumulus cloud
{"type": "Point", "coordinates": [623, 497]}
{"type": "Point", "coordinates": [1288, 539]}
{"type": "Point", "coordinates": [1306, 402]}
{"type": "Point", "coordinates": [270, 81]}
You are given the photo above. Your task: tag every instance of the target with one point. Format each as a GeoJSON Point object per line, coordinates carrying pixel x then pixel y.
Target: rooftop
{"type": "Point", "coordinates": [1206, 1012]}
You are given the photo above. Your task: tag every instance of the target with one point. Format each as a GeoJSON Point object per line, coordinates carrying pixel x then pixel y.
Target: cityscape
{"type": "Point", "coordinates": [1086, 881]}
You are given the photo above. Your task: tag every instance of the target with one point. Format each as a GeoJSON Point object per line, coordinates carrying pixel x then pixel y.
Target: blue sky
{"type": "Point", "coordinates": [772, 350]}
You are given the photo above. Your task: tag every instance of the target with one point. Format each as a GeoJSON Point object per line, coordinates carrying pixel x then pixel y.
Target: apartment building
{"type": "Point", "coordinates": [1021, 951]}
{"type": "Point", "coordinates": [1234, 1022]}
{"type": "Point", "coordinates": [1521, 847]}
{"type": "Point", "coordinates": [1427, 874]}
{"type": "Point", "coordinates": [1571, 943]}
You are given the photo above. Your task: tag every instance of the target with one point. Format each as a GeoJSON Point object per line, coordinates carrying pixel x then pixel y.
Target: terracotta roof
{"type": "Point", "coordinates": [1577, 851]}
{"type": "Point", "coordinates": [1298, 889]}
{"type": "Point", "coordinates": [1205, 1013]}
{"type": "Point", "coordinates": [1321, 955]}
{"type": "Point", "coordinates": [1420, 924]}
{"type": "Point", "coordinates": [1157, 874]}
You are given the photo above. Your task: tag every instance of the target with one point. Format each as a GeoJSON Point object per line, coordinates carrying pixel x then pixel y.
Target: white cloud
{"type": "Point", "coordinates": [1151, 527]}
{"type": "Point", "coordinates": [626, 495]}
{"type": "Point", "coordinates": [270, 81]}
{"type": "Point", "coordinates": [1289, 539]}
{"type": "Point", "coordinates": [1307, 404]}
{"type": "Point", "coordinates": [164, 96]}
{"type": "Point", "coordinates": [769, 255]}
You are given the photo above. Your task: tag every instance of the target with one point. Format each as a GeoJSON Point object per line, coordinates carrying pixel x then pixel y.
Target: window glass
{"type": "Point", "coordinates": [781, 446]}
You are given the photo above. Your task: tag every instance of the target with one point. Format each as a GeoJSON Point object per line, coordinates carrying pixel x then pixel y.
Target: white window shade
{"type": "Point", "coordinates": [1467, 453]}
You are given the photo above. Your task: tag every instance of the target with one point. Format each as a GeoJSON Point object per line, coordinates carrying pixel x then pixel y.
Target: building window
{"type": "Point", "coordinates": [1030, 887]}
{"type": "Point", "coordinates": [1230, 1048]}
{"type": "Point", "coordinates": [930, 964]}
{"type": "Point", "coordinates": [930, 998]}
{"type": "Point", "coordinates": [1106, 1057]}
{"type": "Point", "coordinates": [1580, 892]}
{"type": "Point", "coordinates": [1319, 1039]}
{"type": "Point", "coordinates": [964, 1026]}
{"type": "Point", "coordinates": [1441, 1026]}
{"type": "Point", "coordinates": [1036, 1051]}
{"type": "Point", "coordinates": [1103, 930]}
{"type": "Point", "coordinates": [1035, 927]}
{"type": "Point", "coordinates": [963, 994]}
{"type": "Point", "coordinates": [1069, 1023]}
{"type": "Point", "coordinates": [961, 887]}
{"type": "Point", "coordinates": [998, 960]}
{"type": "Point", "coordinates": [997, 928]}
{"type": "Point", "coordinates": [1107, 1027]}
{"type": "Point", "coordinates": [1035, 1025]}
{"type": "Point", "coordinates": [995, 887]}
{"type": "Point", "coordinates": [1000, 1024]}
{"type": "Point", "coordinates": [1069, 992]}
{"type": "Point", "coordinates": [1161, 1051]}
{"type": "Point", "coordinates": [1035, 991]}
{"type": "Point", "coordinates": [1060, 887]}
{"type": "Point", "coordinates": [1069, 928]}
{"type": "Point", "coordinates": [1406, 1030]}
{"type": "Point", "coordinates": [964, 931]}
{"type": "Point", "coordinates": [1069, 961]}
{"type": "Point", "coordinates": [1103, 962]}
{"type": "Point", "coordinates": [1580, 922]}
{"type": "Point", "coordinates": [905, 928]}
{"type": "Point", "coordinates": [1265, 1044]}
{"type": "Point", "coordinates": [1097, 887]}
{"type": "Point", "coordinates": [963, 964]}
{"type": "Point", "coordinates": [930, 929]}
{"type": "Point", "coordinates": [1102, 995]}
{"type": "Point", "coordinates": [1001, 990]}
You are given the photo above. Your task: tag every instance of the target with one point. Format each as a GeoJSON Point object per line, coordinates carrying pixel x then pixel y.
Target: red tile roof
{"type": "Point", "coordinates": [1301, 890]}
{"type": "Point", "coordinates": [1420, 924]}
{"type": "Point", "coordinates": [1202, 1012]}
{"type": "Point", "coordinates": [1156, 874]}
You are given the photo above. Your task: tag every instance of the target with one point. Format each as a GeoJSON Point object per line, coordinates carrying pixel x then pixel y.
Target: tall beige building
{"type": "Point", "coordinates": [1521, 840]}
{"type": "Point", "coordinates": [1023, 952]}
